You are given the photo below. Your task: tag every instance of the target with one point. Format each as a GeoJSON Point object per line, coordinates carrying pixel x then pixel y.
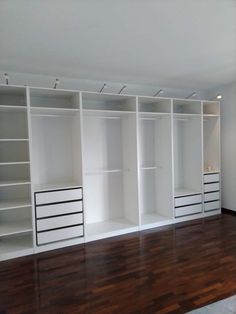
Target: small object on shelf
{"type": "Point", "coordinates": [208, 168]}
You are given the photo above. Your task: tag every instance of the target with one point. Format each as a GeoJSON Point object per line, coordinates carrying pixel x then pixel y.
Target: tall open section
{"type": "Point", "coordinates": [187, 136]}
{"type": "Point", "coordinates": [16, 237]}
{"type": "Point", "coordinates": [155, 161]}
{"type": "Point", "coordinates": [110, 165]}
{"type": "Point", "coordinates": [56, 140]}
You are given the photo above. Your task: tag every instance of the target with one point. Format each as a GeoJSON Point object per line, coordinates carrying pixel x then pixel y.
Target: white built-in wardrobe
{"type": "Point", "coordinates": [81, 166]}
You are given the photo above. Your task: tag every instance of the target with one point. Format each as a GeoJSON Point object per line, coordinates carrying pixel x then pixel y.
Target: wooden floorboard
{"type": "Point", "coordinates": [172, 269]}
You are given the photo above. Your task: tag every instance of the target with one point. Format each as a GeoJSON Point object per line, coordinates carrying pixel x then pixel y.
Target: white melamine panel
{"type": "Point", "coordinates": [188, 210]}
{"type": "Point", "coordinates": [155, 167]}
{"type": "Point", "coordinates": [187, 200]}
{"type": "Point", "coordinates": [212, 206]}
{"type": "Point", "coordinates": [56, 149]}
{"type": "Point", "coordinates": [215, 196]}
{"type": "Point", "coordinates": [58, 209]}
{"type": "Point", "coordinates": [187, 154]}
{"type": "Point", "coordinates": [59, 235]}
{"type": "Point", "coordinates": [58, 196]}
{"type": "Point", "coordinates": [59, 222]}
{"type": "Point", "coordinates": [211, 187]}
{"type": "Point", "coordinates": [208, 178]}
{"type": "Point", "coordinates": [211, 137]}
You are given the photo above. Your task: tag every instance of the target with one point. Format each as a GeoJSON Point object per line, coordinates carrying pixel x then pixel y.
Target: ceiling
{"type": "Point", "coordinates": [176, 43]}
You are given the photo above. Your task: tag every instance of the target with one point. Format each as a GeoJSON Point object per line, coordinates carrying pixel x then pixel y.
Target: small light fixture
{"type": "Point", "coordinates": [218, 97]}
{"type": "Point", "coordinates": [160, 91]}
{"type": "Point", "coordinates": [6, 78]}
{"type": "Point", "coordinates": [194, 94]}
{"type": "Point", "coordinates": [122, 88]}
{"type": "Point", "coordinates": [56, 83]}
{"type": "Point", "coordinates": [103, 86]}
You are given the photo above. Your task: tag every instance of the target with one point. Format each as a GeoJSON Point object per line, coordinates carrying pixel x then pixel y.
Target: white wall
{"type": "Point", "coordinates": [228, 143]}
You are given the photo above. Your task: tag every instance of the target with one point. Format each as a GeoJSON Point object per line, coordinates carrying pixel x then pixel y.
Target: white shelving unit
{"type": "Point", "coordinates": [82, 166]}
{"type": "Point", "coordinates": [110, 163]}
{"type": "Point", "coordinates": [15, 182]}
{"type": "Point", "coordinates": [155, 161]}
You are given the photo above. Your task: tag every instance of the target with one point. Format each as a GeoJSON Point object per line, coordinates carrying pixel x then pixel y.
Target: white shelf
{"type": "Point", "coordinates": [14, 139]}
{"type": "Point", "coordinates": [14, 163]}
{"type": "Point", "coordinates": [152, 218]}
{"type": "Point", "coordinates": [151, 168]}
{"type": "Point", "coordinates": [152, 114]}
{"type": "Point", "coordinates": [185, 192]}
{"type": "Point", "coordinates": [53, 111]}
{"type": "Point", "coordinates": [103, 171]}
{"type": "Point", "coordinates": [100, 229]}
{"type": "Point", "coordinates": [107, 113]}
{"type": "Point", "coordinates": [5, 205]}
{"type": "Point", "coordinates": [56, 186]}
{"type": "Point", "coordinates": [212, 172]}
{"type": "Point", "coordinates": [13, 108]}
{"type": "Point", "coordinates": [11, 247]}
{"type": "Point", "coordinates": [17, 227]}
{"type": "Point", "coordinates": [14, 182]}
{"type": "Point", "coordinates": [210, 115]}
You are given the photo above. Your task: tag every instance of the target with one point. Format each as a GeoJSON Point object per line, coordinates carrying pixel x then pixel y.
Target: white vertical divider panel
{"type": "Point", "coordinates": [219, 134]}
{"type": "Point", "coordinates": [138, 159]}
{"type": "Point", "coordinates": [202, 140]}
{"type": "Point", "coordinates": [172, 158]}
{"type": "Point", "coordinates": [31, 165]}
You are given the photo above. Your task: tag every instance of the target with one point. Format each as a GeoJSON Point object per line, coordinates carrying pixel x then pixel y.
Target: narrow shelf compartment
{"type": "Point", "coordinates": [186, 106]}
{"type": "Point", "coordinates": [154, 105]}
{"type": "Point", "coordinates": [53, 99]}
{"type": "Point", "coordinates": [15, 246]}
{"type": "Point", "coordinates": [211, 108]}
{"type": "Point", "coordinates": [11, 96]}
{"type": "Point", "coordinates": [108, 102]}
{"type": "Point", "coordinates": [104, 228]}
{"type": "Point", "coordinates": [14, 152]}
{"type": "Point", "coordinates": [15, 227]}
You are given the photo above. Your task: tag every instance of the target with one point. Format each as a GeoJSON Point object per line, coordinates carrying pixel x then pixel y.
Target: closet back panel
{"type": "Point", "coordinates": [13, 125]}
{"type": "Point", "coordinates": [56, 149]}
{"type": "Point", "coordinates": [188, 153]}
{"type": "Point", "coordinates": [156, 152]}
{"type": "Point", "coordinates": [211, 132]}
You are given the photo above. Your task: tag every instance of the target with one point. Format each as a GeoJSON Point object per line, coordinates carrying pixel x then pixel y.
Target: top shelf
{"type": "Point", "coordinates": [53, 111]}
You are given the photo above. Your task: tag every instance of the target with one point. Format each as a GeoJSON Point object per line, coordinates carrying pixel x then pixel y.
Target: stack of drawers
{"type": "Point", "coordinates": [211, 191]}
{"type": "Point", "coordinates": [59, 215]}
{"type": "Point", "coordinates": [188, 205]}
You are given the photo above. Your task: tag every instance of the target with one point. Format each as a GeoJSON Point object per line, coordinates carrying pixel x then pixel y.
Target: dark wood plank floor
{"type": "Point", "coordinates": [169, 270]}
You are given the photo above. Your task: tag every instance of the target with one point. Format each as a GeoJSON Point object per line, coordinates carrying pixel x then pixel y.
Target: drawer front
{"type": "Point", "coordinates": [212, 206]}
{"type": "Point", "coordinates": [208, 178]}
{"type": "Point", "coordinates": [59, 235]}
{"type": "Point", "coordinates": [215, 196]}
{"type": "Point", "coordinates": [188, 210]}
{"type": "Point", "coordinates": [59, 209]}
{"type": "Point", "coordinates": [188, 200]}
{"type": "Point", "coordinates": [59, 222]}
{"type": "Point", "coordinates": [211, 187]}
{"type": "Point", "coordinates": [58, 196]}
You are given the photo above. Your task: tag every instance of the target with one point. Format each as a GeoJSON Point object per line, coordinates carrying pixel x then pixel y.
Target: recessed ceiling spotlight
{"type": "Point", "coordinates": [219, 96]}
{"type": "Point", "coordinates": [158, 92]}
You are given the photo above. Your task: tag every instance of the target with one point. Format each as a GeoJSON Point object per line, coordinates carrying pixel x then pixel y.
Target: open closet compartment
{"type": "Point", "coordinates": [56, 142]}
{"type": "Point", "coordinates": [16, 238]}
{"type": "Point", "coordinates": [155, 161]}
{"type": "Point", "coordinates": [211, 148]}
{"type": "Point", "coordinates": [188, 166]}
{"type": "Point", "coordinates": [110, 165]}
